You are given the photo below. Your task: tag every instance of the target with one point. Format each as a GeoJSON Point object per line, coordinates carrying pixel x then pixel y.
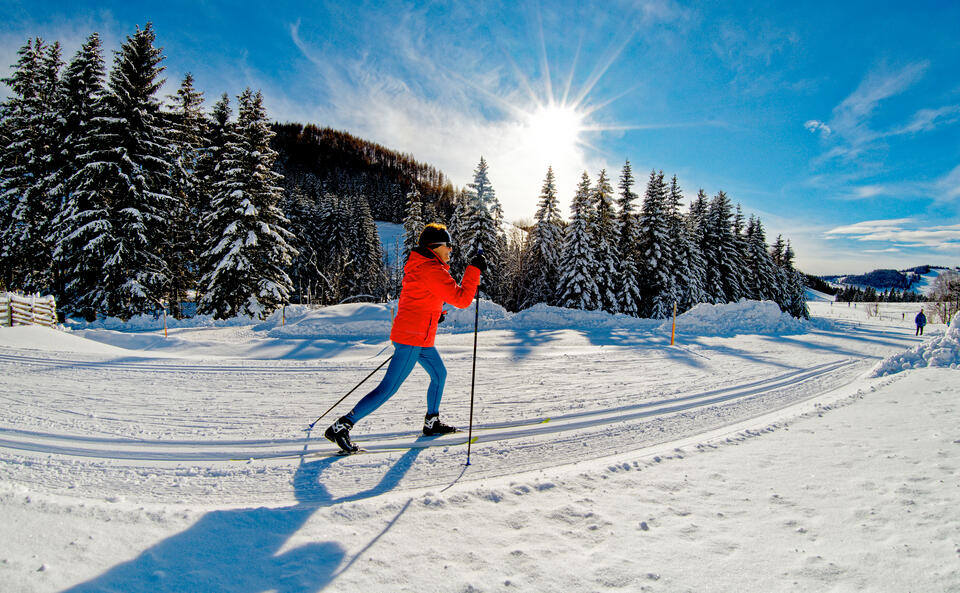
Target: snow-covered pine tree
{"type": "Point", "coordinates": [723, 264]}
{"type": "Point", "coordinates": [220, 132]}
{"type": "Point", "coordinates": [134, 174]}
{"type": "Point", "coordinates": [412, 223]}
{"type": "Point", "coordinates": [761, 280]}
{"type": "Point", "coordinates": [542, 269]}
{"type": "Point", "coordinates": [188, 132]}
{"type": "Point", "coordinates": [777, 253]}
{"type": "Point", "coordinates": [456, 226]}
{"type": "Point", "coordinates": [679, 246]}
{"type": "Point", "coordinates": [30, 165]}
{"type": "Point", "coordinates": [578, 288]}
{"type": "Point", "coordinates": [698, 223]}
{"type": "Point", "coordinates": [796, 297]}
{"type": "Point", "coordinates": [515, 261]}
{"type": "Point", "coordinates": [741, 247]}
{"type": "Point", "coordinates": [656, 264]}
{"type": "Point", "coordinates": [605, 244]}
{"type": "Point", "coordinates": [333, 249]}
{"type": "Point", "coordinates": [83, 218]}
{"type": "Point", "coordinates": [243, 267]}
{"type": "Point", "coordinates": [365, 275]}
{"type": "Point", "coordinates": [628, 291]}
{"type": "Point", "coordinates": [482, 228]}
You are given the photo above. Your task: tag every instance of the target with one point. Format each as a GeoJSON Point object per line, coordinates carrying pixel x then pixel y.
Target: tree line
{"type": "Point", "coordinates": [621, 254]}
{"type": "Point", "coordinates": [119, 205]}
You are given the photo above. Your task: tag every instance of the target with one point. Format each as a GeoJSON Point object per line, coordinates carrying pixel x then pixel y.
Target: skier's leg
{"type": "Point", "coordinates": [431, 362]}
{"type": "Point", "coordinates": [404, 358]}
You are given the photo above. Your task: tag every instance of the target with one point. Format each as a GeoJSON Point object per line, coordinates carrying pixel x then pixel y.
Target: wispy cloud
{"type": "Point", "coordinates": [903, 232]}
{"type": "Point", "coordinates": [851, 126]}
{"type": "Point", "coordinates": [818, 126]}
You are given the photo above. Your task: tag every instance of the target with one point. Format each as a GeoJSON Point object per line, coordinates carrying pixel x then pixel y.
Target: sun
{"type": "Point", "coordinates": [554, 128]}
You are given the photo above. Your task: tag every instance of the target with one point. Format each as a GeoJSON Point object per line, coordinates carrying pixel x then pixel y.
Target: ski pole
{"type": "Point", "coordinates": [473, 373]}
{"type": "Point", "coordinates": [349, 392]}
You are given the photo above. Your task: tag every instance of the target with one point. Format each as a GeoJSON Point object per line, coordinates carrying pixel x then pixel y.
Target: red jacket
{"type": "Point", "coordinates": [427, 285]}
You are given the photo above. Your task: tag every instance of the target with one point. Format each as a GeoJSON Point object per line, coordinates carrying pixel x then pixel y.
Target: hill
{"type": "Point", "coordinates": [314, 160]}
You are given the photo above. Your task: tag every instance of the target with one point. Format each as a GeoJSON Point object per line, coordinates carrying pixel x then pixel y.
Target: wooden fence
{"type": "Point", "coordinates": [16, 309]}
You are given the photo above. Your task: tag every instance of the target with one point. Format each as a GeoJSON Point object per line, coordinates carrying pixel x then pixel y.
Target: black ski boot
{"type": "Point", "coordinates": [432, 426]}
{"type": "Point", "coordinates": [339, 433]}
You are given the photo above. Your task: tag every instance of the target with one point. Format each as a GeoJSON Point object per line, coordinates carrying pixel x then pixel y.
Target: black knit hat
{"type": "Point", "coordinates": [433, 233]}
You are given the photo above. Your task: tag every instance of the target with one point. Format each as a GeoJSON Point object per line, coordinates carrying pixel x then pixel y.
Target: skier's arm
{"type": "Point", "coordinates": [442, 284]}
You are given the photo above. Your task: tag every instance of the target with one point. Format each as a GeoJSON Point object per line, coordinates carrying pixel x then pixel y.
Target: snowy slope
{"type": "Point", "coordinates": [754, 454]}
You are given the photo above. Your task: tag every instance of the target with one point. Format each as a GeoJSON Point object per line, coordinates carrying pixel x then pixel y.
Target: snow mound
{"type": "Point", "coordinates": [730, 319]}
{"type": "Point", "coordinates": [142, 323]}
{"type": "Point", "coordinates": [354, 320]}
{"type": "Point", "coordinates": [942, 351]}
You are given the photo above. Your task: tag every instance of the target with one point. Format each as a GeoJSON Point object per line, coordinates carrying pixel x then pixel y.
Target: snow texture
{"type": "Point", "coordinates": [939, 351]}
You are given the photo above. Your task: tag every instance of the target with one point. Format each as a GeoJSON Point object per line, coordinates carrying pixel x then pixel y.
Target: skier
{"type": "Point", "coordinates": [920, 320]}
{"type": "Point", "coordinates": [427, 285]}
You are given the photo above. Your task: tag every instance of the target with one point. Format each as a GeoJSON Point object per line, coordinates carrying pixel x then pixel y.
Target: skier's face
{"type": "Point", "coordinates": [443, 251]}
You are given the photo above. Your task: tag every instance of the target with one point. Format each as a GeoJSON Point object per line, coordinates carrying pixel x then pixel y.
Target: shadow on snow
{"type": "Point", "coordinates": [237, 550]}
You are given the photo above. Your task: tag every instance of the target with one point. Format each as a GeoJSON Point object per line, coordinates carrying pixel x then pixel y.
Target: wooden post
{"type": "Point", "coordinates": [164, 321]}
{"type": "Point", "coordinates": [673, 331]}
{"type": "Point", "coordinates": [283, 315]}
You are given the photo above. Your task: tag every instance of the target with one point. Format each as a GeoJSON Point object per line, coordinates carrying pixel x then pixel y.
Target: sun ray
{"type": "Point", "coordinates": [598, 72]}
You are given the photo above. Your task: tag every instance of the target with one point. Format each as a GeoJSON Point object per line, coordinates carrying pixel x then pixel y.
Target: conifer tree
{"type": "Point", "coordinates": [482, 228]}
{"type": "Point", "coordinates": [628, 291]}
{"type": "Point", "coordinates": [605, 241]}
{"type": "Point", "coordinates": [761, 280]}
{"type": "Point", "coordinates": [243, 266]}
{"type": "Point", "coordinates": [412, 223]}
{"type": "Point", "coordinates": [656, 263]}
{"type": "Point", "coordinates": [724, 268]}
{"type": "Point", "coordinates": [578, 288]}
{"type": "Point", "coordinates": [29, 165]}
{"type": "Point", "coordinates": [365, 275]}
{"type": "Point", "coordinates": [134, 174]}
{"type": "Point", "coordinates": [83, 217]}
{"type": "Point", "coordinates": [542, 273]}
{"type": "Point", "coordinates": [795, 290]}
{"type": "Point", "coordinates": [456, 226]}
{"type": "Point", "coordinates": [188, 134]}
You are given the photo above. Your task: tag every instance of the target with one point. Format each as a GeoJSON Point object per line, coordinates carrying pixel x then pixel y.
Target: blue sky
{"type": "Point", "coordinates": [837, 123]}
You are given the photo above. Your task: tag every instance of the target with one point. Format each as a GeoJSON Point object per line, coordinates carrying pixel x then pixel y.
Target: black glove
{"type": "Point", "coordinates": [443, 315]}
{"type": "Point", "coordinates": [479, 262]}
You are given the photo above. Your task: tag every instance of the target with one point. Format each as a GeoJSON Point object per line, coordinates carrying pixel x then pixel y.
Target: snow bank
{"type": "Point", "coordinates": [942, 351]}
{"type": "Point", "coordinates": [730, 319]}
{"type": "Point", "coordinates": [353, 320]}
{"type": "Point", "coordinates": [374, 320]}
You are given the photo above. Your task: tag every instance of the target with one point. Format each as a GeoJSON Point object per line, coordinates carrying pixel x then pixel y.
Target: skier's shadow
{"type": "Point", "coordinates": [237, 551]}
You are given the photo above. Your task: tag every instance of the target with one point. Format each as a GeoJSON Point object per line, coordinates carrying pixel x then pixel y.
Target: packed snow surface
{"type": "Point", "coordinates": [940, 351]}
{"type": "Point", "coordinates": [756, 453]}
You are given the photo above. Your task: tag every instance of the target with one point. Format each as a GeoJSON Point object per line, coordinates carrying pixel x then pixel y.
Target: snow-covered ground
{"type": "Point", "coordinates": [757, 453]}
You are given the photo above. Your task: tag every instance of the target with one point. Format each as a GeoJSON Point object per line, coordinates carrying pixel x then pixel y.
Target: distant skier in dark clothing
{"type": "Point", "coordinates": [920, 320]}
{"type": "Point", "coordinates": [427, 285]}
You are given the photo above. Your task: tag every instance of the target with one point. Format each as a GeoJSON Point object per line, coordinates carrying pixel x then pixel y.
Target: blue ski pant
{"type": "Point", "coordinates": [402, 363]}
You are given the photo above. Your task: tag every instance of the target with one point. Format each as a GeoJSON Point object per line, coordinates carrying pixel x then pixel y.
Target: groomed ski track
{"type": "Point", "coordinates": [562, 426]}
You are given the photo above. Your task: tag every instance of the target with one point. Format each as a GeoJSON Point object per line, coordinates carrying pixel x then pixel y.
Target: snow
{"type": "Point", "coordinates": [757, 453]}
{"type": "Point", "coordinates": [941, 351]}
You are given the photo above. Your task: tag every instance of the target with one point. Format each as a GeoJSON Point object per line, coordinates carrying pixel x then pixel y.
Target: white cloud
{"type": "Point", "coordinates": [904, 232]}
{"type": "Point", "coordinates": [815, 126]}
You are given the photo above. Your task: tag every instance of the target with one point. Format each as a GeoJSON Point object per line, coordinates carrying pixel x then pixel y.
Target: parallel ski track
{"type": "Point", "coordinates": [226, 450]}
{"type": "Point", "coordinates": [135, 365]}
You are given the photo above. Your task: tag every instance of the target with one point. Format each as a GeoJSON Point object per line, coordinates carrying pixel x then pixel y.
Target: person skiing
{"type": "Point", "coordinates": [427, 285]}
{"type": "Point", "coordinates": [920, 320]}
